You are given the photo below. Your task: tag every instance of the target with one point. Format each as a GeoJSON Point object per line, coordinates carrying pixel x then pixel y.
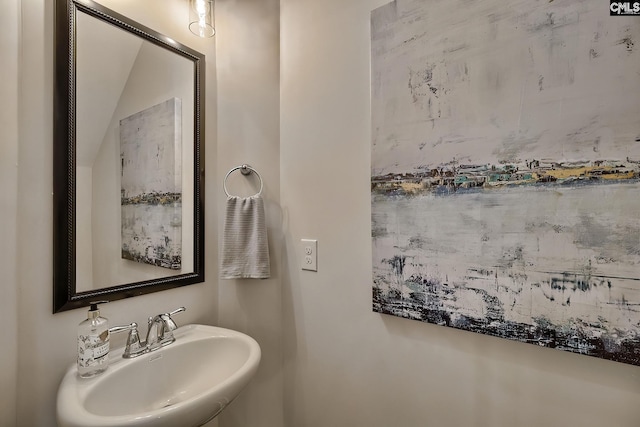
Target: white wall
{"type": "Point", "coordinates": [247, 46]}
{"type": "Point", "coordinates": [46, 342]}
{"type": "Point", "coordinates": [9, 54]}
{"type": "Point", "coordinates": [345, 365]}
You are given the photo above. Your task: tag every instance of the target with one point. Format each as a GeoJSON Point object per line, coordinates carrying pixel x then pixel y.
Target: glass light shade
{"type": "Point", "coordinates": [201, 18]}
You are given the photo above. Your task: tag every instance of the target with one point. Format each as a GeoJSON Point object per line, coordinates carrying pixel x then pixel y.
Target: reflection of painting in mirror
{"type": "Point", "coordinates": [151, 198]}
{"type": "Point", "coordinates": [153, 76]}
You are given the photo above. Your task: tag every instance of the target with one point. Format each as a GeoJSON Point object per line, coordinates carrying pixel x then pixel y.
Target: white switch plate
{"type": "Point", "coordinates": [309, 253]}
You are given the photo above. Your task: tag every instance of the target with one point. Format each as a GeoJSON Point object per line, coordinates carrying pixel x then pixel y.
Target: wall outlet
{"type": "Point", "coordinates": [309, 254]}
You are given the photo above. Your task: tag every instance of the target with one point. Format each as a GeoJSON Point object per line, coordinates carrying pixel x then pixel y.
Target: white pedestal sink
{"type": "Point", "coordinates": [185, 384]}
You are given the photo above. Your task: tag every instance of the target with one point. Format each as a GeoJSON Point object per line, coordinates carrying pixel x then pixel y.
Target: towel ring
{"type": "Point", "coordinates": [245, 170]}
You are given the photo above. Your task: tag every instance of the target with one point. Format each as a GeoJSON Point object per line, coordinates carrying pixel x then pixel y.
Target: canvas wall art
{"type": "Point", "coordinates": [505, 170]}
{"type": "Point", "coordinates": [151, 177]}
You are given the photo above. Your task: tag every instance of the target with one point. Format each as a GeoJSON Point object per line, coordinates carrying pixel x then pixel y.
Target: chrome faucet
{"type": "Point", "coordinates": [159, 334]}
{"type": "Point", "coordinates": [164, 326]}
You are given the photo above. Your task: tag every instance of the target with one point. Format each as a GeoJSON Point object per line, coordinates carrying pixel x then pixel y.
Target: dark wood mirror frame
{"type": "Point", "coordinates": [65, 296]}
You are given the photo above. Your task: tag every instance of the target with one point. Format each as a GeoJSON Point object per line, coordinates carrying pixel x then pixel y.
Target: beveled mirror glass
{"type": "Point", "coordinates": [128, 158]}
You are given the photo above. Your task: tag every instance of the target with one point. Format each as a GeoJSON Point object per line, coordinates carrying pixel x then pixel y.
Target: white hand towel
{"type": "Point", "coordinates": [245, 250]}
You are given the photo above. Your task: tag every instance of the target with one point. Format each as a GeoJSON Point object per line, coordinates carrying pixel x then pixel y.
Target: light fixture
{"type": "Point", "coordinates": [201, 18]}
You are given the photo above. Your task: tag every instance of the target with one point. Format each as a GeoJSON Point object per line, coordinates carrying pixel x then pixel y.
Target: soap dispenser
{"type": "Point", "coordinates": [93, 343]}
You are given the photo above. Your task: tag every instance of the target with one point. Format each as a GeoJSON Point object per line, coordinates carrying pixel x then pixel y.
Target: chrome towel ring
{"type": "Point", "coordinates": [245, 170]}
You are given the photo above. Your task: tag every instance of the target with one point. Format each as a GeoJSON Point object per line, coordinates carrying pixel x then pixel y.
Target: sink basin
{"type": "Point", "coordinates": [186, 383]}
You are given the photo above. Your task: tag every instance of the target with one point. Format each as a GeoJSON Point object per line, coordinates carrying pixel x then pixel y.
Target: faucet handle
{"type": "Point", "coordinates": [164, 327]}
{"type": "Point", "coordinates": [165, 317]}
{"type": "Point", "coordinates": [176, 311]}
{"type": "Point", "coordinates": [134, 347]}
{"type": "Point", "coordinates": [168, 324]}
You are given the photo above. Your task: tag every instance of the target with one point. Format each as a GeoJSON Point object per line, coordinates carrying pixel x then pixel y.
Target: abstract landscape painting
{"type": "Point", "coordinates": [506, 171]}
{"type": "Point", "coordinates": [151, 199]}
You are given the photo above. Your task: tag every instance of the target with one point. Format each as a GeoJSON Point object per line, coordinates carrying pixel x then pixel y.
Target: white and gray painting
{"type": "Point", "coordinates": [151, 199]}
{"type": "Point", "coordinates": [506, 171]}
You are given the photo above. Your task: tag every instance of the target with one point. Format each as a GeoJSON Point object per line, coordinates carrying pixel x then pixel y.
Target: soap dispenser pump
{"type": "Point", "coordinates": [93, 343]}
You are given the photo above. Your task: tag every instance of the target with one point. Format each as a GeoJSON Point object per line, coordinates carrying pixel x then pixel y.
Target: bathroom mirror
{"type": "Point", "coordinates": [128, 158]}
